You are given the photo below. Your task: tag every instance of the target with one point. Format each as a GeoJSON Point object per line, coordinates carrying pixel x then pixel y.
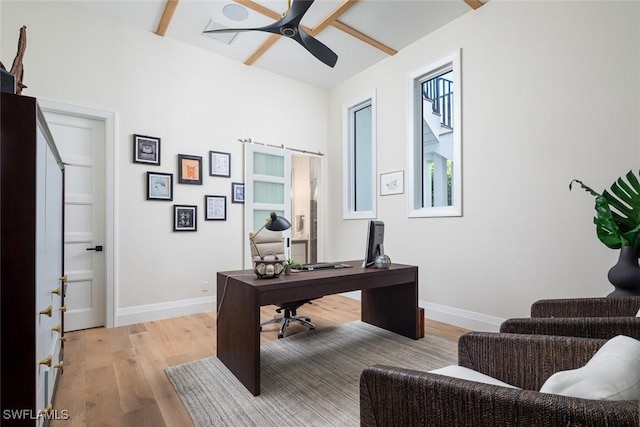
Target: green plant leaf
{"type": "Point", "coordinates": [617, 212]}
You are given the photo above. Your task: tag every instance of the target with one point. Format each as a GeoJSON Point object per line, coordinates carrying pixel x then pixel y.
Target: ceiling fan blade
{"type": "Point", "coordinates": [297, 11]}
{"type": "Point", "coordinates": [316, 48]}
{"type": "Point", "coordinates": [229, 30]}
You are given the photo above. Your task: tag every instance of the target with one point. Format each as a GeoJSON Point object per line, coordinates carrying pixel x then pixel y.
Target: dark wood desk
{"type": "Point", "coordinates": [389, 301]}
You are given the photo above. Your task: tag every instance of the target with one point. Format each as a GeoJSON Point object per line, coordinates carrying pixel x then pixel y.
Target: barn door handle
{"type": "Point", "coordinates": [97, 249]}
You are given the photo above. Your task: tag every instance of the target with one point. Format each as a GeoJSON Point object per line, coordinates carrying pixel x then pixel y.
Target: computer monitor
{"type": "Point", "coordinates": [375, 242]}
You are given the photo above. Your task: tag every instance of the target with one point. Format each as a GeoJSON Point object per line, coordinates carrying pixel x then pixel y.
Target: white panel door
{"type": "Point", "coordinates": [80, 142]}
{"type": "Point", "coordinates": [267, 189]}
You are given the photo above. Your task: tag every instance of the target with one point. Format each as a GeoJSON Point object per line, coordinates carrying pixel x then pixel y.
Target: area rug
{"type": "Point", "coordinates": [308, 379]}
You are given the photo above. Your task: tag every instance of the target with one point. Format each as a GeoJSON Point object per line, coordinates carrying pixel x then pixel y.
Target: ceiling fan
{"type": "Point", "coordinates": [289, 26]}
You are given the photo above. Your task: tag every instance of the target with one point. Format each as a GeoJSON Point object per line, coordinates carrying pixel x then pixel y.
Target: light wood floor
{"type": "Point", "coordinates": [115, 376]}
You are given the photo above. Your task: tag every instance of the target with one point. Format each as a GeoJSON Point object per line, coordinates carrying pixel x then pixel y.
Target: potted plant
{"type": "Point", "coordinates": [618, 227]}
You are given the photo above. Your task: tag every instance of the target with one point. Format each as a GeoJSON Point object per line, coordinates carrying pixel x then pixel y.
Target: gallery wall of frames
{"type": "Point", "coordinates": [160, 185]}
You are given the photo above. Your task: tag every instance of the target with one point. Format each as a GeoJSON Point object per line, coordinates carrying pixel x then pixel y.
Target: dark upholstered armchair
{"type": "Point", "coordinates": [391, 396]}
{"type": "Point", "coordinates": [580, 317]}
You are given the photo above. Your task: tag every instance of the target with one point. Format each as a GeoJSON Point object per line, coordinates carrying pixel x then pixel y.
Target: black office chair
{"type": "Point", "coordinates": [270, 243]}
{"type": "Point", "coordinates": [290, 315]}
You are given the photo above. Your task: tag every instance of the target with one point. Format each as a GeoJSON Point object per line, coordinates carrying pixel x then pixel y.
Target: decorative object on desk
{"type": "Point", "coordinates": [382, 262]}
{"type": "Point", "coordinates": [215, 208]}
{"type": "Point", "coordinates": [17, 68]}
{"type": "Point", "coordinates": [189, 169]}
{"type": "Point", "coordinates": [288, 265]}
{"type": "Point", "coordinates": [392, 183]}
{"type": "Point", "coordinates": [268, 266]}
{"type": "Point", "coordinates": [219, 164]}
{"type": "Point", "coordinates": [159, 186]}
{"type": "Point", "coordinates": [619, 228]}
{"type": "Point", "coordinates": [185, 218]}
{"type": "Point", "coordinates": [273, 223]}
{"type": "Point", "coordinates": [146, 149]}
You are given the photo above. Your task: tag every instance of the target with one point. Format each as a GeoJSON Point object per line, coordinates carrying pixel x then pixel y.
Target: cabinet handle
{"type": "Point", "coordinates": [57, 291]}
{"type": "Point", "coordinates": [46, 361]}
{"type": "Point", "coordinates": [57, 329]}
{"type": "Point", "coordinates": [47, 311]}
{"type": "Point", "coordinates": [63, 308]}
{"type": "Point", "coordinates": [64, 279]}
{"type": "Point", "coordinates": [59, 365]}
{"type": "Point", "coordinates": [63, 338]}
{"type": "Point", "coordinates": [46, 410]}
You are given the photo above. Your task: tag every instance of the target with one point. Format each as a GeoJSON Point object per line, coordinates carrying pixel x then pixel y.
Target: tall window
{"type": "Point", "coordinates": [435, 179]}
{"type": "Point", "coordinates": [360, 158]}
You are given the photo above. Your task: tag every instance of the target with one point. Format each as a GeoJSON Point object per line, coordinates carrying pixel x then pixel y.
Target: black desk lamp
{"type": "Point", "coordinates": [273, 223]}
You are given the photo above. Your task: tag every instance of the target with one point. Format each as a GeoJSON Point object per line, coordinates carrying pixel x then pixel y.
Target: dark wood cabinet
{"type": "Point", "coordinates": [32, 264]}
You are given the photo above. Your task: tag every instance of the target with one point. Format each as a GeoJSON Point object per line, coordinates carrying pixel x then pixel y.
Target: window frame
{"type": "Point", "coordinates": [348, 110]}
{"type": "Point", "coordinates": [414, 129]}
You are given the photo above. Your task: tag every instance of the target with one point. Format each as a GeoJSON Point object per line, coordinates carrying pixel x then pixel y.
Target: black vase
{"type": "Point", "coordinates": [625, 275]}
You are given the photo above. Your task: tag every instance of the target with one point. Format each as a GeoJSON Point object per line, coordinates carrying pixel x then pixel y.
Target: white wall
{"type": "Point", "coordinates": [550, 93]}
{"type": "Point", "coordinates": [194, 101]}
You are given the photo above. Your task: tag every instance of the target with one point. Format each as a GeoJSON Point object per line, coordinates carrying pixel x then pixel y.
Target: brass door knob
{"type": "Point", "coordinates": [47, 311]}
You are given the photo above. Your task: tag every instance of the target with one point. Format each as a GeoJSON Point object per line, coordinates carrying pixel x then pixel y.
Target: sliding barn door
{"type": "Point", "coordinates": [267, 189]}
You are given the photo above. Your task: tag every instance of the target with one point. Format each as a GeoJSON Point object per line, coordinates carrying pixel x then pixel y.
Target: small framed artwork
{"type": "Point", "coordinates": [237, 192]}
{"type": "Point", "coordinates": [215, 208]}
{"type": "Point", "coordinates": [185, 218]}
{"type": "Point", "coordinates": [391, 183]}
{"type": "Point", "coordinates": [146, 149]}
{"type": "Point", "coordinates": [219, 164]}
{"type": "Point", "coordinates": [189, 169]}
{"type": "Point", "coordinates": [159, 186]}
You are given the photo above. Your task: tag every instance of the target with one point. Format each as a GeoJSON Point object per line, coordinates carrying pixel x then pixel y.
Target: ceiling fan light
{"type": "Point", "coordinates": [235, 12]}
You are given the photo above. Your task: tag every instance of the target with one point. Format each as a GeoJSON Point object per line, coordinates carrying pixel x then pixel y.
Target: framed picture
{"type": "Point", "coordinates": [146, 149]}
{"type": "Point", "coordinates": [237, 192]}
{"type": "Point", "coordinates": [185, 218]}
{"type": "Point", "coordinates": [219, 164]}
{"type": "Point", "coordinates": [159, 186]}
{"type": "Point", "coordinates": [189, 169]}
{"type": "Point", "coordinates": [392, 183]}
{"type": "Point", "coordinates": [215, 208]}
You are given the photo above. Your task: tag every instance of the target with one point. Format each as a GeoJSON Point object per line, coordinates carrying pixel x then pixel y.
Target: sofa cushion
{"type": "Point", "coordinates": [613, 373]}
{"type": "Point", "coordinates": [469, 374]}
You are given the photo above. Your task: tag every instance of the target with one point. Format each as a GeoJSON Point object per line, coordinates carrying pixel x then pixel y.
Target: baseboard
{"type": "Point", "coordinates": [164, 310]}
{"type": "Point", "coordinates": [454, 316]}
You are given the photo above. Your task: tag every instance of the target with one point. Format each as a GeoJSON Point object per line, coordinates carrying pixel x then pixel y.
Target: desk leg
{"type": "Point", "coordinates": [393, 308]}
{"type": "Point", "coordinates": [238, 332]}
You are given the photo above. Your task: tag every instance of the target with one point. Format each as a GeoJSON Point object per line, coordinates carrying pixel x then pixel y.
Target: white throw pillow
{"type": "Point", "coordinates": [469, 374]}
{"type": "Point", "coordinates": [613, 373]}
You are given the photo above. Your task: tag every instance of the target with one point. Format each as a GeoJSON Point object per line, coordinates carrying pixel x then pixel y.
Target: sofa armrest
{"type": "Point", "coordinates": [525, 361]}
{"type": "Point", "coordinates": [391, 397]}
{"type": "Point", "coordinates": [586, 327]}
{"type": "Point", "coordinates": [586, 307]}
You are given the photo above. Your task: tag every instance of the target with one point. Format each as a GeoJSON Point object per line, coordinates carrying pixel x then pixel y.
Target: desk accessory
{"type": "Point", "coordinates": [267, 268]}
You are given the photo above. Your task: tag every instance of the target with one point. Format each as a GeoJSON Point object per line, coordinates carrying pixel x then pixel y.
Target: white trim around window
{"type": "Point", "coordinates": [363, 181]}
{"type": "Point", "coordinates": [415, 161]}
